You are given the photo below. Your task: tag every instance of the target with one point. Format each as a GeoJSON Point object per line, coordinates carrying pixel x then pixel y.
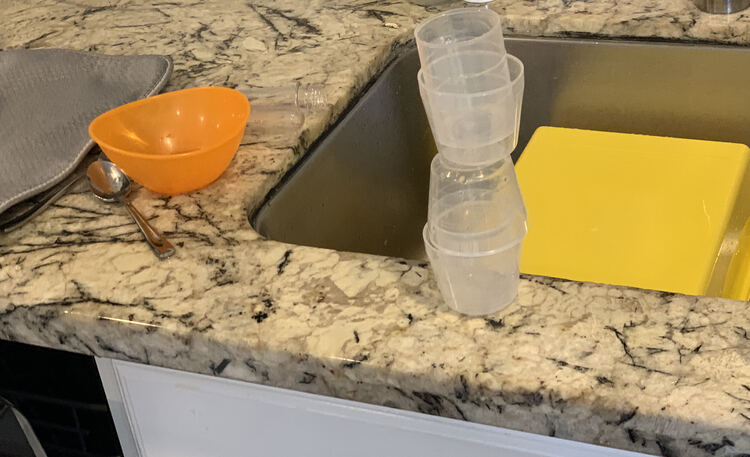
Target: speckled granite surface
{"type": "Point", "coordinates": [652, 372]}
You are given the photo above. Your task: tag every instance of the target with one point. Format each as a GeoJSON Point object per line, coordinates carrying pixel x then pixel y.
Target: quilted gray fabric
{"type": "Point", "coordinates": [48, 97]}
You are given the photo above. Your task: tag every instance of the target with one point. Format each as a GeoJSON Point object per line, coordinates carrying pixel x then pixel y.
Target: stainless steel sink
{"type": "Point", "coordinates": [363, 188]}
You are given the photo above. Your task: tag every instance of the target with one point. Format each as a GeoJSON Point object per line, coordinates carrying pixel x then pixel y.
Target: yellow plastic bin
{"type": "Point", "coordinates": [651, 212]}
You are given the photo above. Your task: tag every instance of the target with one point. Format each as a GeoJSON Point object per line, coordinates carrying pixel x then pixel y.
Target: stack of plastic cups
{"type": "Point", "coordinates": [472, 92]}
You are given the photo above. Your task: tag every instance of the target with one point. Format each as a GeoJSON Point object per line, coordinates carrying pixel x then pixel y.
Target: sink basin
{"type": "Point", "coordinates": [363, 188]}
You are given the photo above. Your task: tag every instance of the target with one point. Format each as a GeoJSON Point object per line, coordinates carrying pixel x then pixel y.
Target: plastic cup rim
{"type": "Point", "coordinates": [502, 58]}
{"type": "Point", "coordinates": [519, 213]}
{"type": "Point", "coordinates": [470, 164]}
{"type": "Point", "coordinates": [461, 166]}
{"type": "Point", "coordinates": [431, 243]}
{"type": "Point", "coordinates": [472, 236]}
{"type": "Point", "coordinates": [513, 83]}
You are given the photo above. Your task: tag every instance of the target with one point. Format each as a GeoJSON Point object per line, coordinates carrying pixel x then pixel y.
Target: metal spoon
{"type": "Point", "coordinates": [110, 184]}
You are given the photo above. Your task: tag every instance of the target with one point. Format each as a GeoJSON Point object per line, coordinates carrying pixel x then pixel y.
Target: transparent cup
{"type": "Point", "coordinates": [279, 112]}
{"type": "Point", "coordinates": [475, 128]}
{"type": "Point", "coordinates": [475, 284]}
{"type": "Point", "coordinates": [457, 31]}
{"type": "Point", "coordinates": [304, 97]}
{"type": "Point", "coordinates": [472, 210]}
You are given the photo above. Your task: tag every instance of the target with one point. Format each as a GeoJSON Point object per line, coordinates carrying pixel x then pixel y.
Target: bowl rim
{"type": "Point", "coordinates": [228, 90]}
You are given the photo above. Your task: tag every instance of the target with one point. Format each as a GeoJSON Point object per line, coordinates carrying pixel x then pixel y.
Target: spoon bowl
{"type": "Point", "coordinates": [107, 181]}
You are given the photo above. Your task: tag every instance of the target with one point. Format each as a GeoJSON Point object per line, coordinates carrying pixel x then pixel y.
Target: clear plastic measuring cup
{"type": "Point", "coordinates": [475, 128]}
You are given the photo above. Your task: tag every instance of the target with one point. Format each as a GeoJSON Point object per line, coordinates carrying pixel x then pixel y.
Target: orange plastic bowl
{"type": "Point", "coordinates": [174, 142]}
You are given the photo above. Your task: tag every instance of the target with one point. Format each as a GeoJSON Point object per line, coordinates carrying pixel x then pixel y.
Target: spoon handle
{"type": "Point", "coordinates": [161, 246]}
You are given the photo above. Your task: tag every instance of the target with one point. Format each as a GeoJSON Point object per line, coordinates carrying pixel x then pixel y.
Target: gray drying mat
{"type": "Point", "coordinates": [48, 97]}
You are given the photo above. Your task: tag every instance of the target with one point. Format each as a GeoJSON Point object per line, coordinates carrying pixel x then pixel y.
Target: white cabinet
{"type": "Point", "coordinates": [165, 413]}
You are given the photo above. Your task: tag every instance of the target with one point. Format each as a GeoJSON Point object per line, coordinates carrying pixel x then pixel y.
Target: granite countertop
{"type": "Point", "coordinates": [652, 372]}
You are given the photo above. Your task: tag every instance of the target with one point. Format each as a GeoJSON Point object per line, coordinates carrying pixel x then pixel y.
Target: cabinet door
{"type": "Point", "coordinates": [173, 413]}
